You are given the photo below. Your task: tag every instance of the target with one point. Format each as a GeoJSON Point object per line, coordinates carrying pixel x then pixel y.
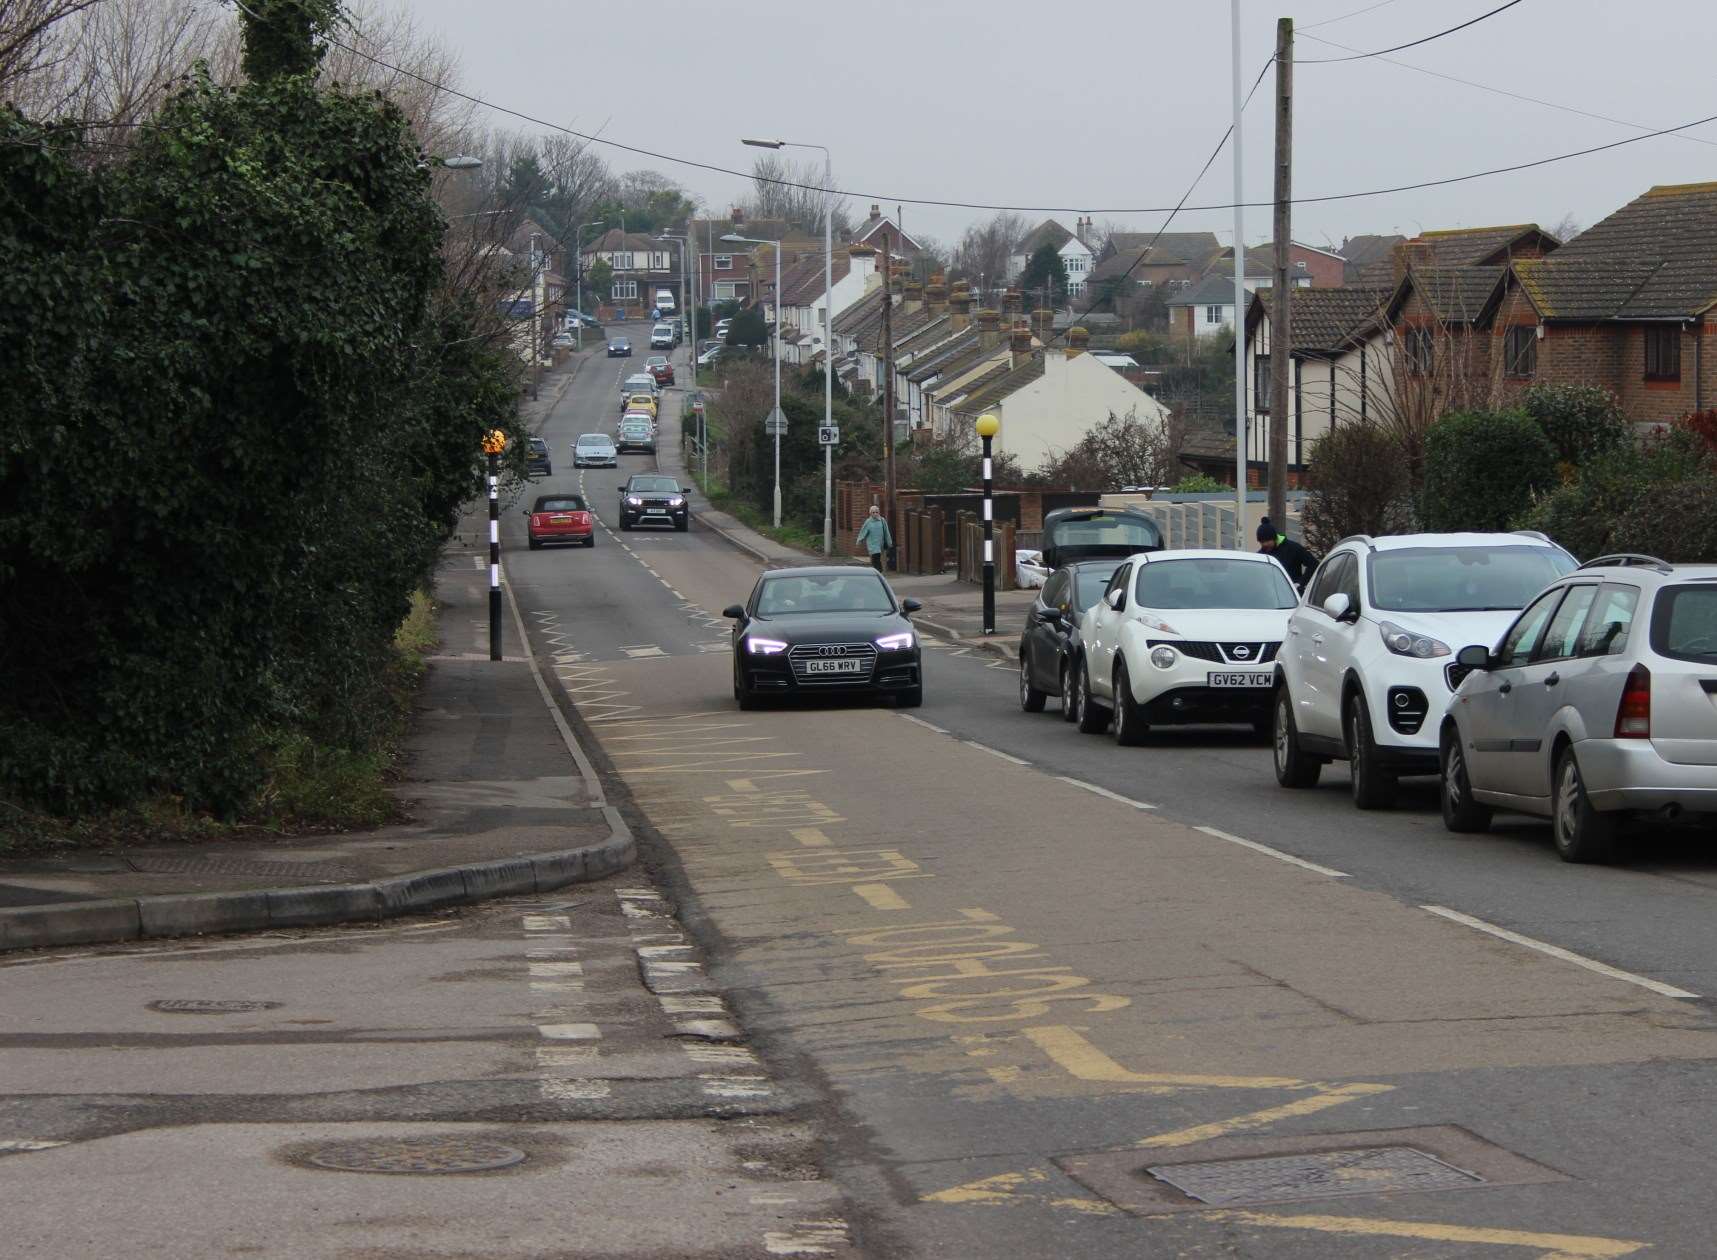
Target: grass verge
{"type": "Point", "coordinates": [789, 535]}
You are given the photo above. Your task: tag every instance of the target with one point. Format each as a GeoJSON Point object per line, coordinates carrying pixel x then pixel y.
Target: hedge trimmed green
{"type": "Point", "coordinates": [1482, 469]}
{"type": "Point", "coordinates": [240, 415]}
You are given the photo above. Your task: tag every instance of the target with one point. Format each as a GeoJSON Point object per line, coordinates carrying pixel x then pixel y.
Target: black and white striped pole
{"type": "Point", "coordinates": [494, 442]}
{"type": "Point", "coordinates": [987, 427]}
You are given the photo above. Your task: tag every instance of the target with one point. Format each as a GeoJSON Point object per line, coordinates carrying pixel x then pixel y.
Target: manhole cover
{"type": "Point", "coordinates": [209, 1006]}
{"type": "Point", "coordinates": [417, 1155]}
{"type": "Point", "coordinates": [1313, 1175]}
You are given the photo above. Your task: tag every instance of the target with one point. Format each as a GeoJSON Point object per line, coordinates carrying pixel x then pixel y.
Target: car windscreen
{"type": "Point", "coordinates": [1213, 583]}
{"type": "Point", "coordinates": [1463, 579]}
{"type": "Point", "coordinates": [1684, 624]}
{"type": "Point", "coordinates": [653, 485]}
{"type": "Point", "coordinates": [1133, 532]}
{"type": "Point", "coordinates": [537, 444]}
{"type": "Point", "coordinates": [559, 503]}
{"type": "Point", "coordinates": [824, 593]}
{"type": "Point", "coordinates": [1088, 583]}
{"type": "Point", "coordinates": [593, 439]}
{"type": "Point", "coordinates": [636, 424]}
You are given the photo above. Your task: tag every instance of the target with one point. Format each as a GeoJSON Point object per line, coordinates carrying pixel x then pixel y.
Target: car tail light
{"type": "Point", "coordinates": [1633, 715]}
{"type": "Point", "coordinates": [536, 518]}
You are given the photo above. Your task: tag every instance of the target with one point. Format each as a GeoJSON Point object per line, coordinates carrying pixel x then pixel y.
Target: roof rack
{"type": "Point", "coordinates": [1626, 559]}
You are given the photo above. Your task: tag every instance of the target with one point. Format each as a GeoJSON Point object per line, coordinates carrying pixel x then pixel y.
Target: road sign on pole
{"type": "Point", "coordinates": [776, 423]}
{"type": "Point", "coordinates": [828, 435]}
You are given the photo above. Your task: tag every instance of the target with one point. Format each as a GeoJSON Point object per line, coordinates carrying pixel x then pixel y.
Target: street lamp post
{"type": "Point", "coordinates": [987, 427]}
{"type": "Point", "coordinates": [687, 311]}
{"type": "Point", "coordinates": [777, 415]}
{"type": "Point", "coordinates": [578, 278]}
{"type": "Point", "coordinates": [536, 306]}
{"type": "Point", "coordinates": [828, 325]}
{"type": "Point", "coordinates": [494, 442]}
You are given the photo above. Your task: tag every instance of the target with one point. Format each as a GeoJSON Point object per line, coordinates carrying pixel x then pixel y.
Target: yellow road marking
{"type": "Point", "coordinates": [1551, 1246]}
{"type": "Point", "coordinates": [741, 785]}
{"type": "Point", "coordinates": [1000, 1189]}
{"type": "Point", "coordinates": [881, 897]}
{"type": "Point", "coordinates": [811, 837]}
{"type": "Point", "coordinates": [980, 916]}
{"type": "Point", "coordinates": [1080, 1058]}
{"type": "Point", "coordinates": [1253, 1119]}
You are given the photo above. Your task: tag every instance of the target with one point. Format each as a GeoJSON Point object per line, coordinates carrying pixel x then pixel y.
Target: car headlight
{"type": "Point", "coordinates": [1403, 642]}
{"type": "Point", "coordinates": [764, 647]}
{"type": "Point", "coordinates": [896, 642]}
{"type": "Point", "coordinates": [1164, 657]}
{"type": "Point", "coordinates": [633, 500]}
{"type": "Point", "coordinates": [1156, 623]}
{"type": "Point", "coordinates": [676, 501]}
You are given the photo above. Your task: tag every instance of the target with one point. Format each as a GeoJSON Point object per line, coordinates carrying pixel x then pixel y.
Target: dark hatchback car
{"type": "Point", "coordinates": [561, 518]}
{"type": "Point", "coordinates": [651, 499]}
{"type": "Point", "coordinates": [537, 459]}
{"type": "Point", "coordinates": [1049, 644]}
{"type": "Point", "coordinates": [824, 630]}
{"type": "Point", "coordinates": [619, 348]}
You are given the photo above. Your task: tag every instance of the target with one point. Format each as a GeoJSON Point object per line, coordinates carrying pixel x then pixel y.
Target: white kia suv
{"type": "Point", "coordinates": [1182, 636]}
{"type": "Point", "coordinates": [1364, 673]}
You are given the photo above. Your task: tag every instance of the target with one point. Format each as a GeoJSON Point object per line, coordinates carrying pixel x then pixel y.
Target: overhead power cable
{"type": "Point", "coordinates": [980, 205]}
{"type": "Point", "coordinates": [1322, 61]}
{"type": "Point", "coordinates": [1513, 96]}
{"type": "Point", "coordinates": [1370, 8]}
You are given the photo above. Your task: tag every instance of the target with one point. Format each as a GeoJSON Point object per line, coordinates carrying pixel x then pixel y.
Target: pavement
{"type": "Point", "coordinates": [498, 797]}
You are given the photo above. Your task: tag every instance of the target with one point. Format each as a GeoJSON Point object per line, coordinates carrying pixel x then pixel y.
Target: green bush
{"type": "Point", "coordinates": [1581, 421]}
{"type": "Point", "coordinates": [1357, 484]}
{"type": "Point", "coordinates": [1199, 483]}
{"type": "Point", "coordinates": [1482, 469]}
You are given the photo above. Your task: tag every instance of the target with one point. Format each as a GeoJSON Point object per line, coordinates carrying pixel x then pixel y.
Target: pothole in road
{"type": "Point", "coordinates": [415, 1155]}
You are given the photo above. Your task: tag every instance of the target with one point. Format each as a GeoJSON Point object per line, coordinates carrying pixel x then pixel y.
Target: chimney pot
{"type": "Point", "coordinates": [936, 295]}
{"type": "Point", "coordinates": [961, 308]}
{"type": "Point", "coordinates": [1011, 302]}
{"type": "Point", "coordinates": [1019, 343]}
{"type": "Point", "coordinates": [1077, 339]}
{"type": "Point", "coordinates": [1043, 320]}
{"type": "Point", "coordinates": [875, 213]}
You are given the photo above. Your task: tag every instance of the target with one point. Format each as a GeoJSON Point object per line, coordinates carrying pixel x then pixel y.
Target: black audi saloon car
{"type": "Point", "coordinates": [652, 499]}
{"type": "Point", "coordinates": [821, 630]}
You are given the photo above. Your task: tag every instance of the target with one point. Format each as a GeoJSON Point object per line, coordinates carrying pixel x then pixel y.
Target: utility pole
{"type": "Point", "coordinates": [1239, 296]}
{"type": "Point", "coordinates": [887, 383]}
{"type": "Point", "coordinates": [1279, 320]}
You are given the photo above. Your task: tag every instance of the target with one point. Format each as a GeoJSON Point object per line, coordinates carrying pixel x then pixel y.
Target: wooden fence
{"type": "Point", "coordinates": [971, 551]}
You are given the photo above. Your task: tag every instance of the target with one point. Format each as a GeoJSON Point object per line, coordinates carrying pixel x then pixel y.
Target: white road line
{"type": "Point", "coordinates": [1556, 951]}
{"type": "Point", "coordinates": [918, 721]}
{"type": "Point", "coordinates": [1265, 849]}
{"type": "Point", "coordinates": [1104, 792]}
{"type": "Point", "coordinates": [995, 752]}
{"type": "Point", "coordinates": [570, 1032]}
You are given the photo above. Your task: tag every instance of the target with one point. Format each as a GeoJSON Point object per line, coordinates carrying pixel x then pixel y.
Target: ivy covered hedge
{"type": "Point", "coordinates": [240, 412]}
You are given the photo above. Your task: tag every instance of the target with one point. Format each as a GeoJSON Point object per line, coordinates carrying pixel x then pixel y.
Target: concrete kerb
{"type": "Point", "coordinates": [994, 646]}
{"type": "Point", "coordinates": [318, 905]}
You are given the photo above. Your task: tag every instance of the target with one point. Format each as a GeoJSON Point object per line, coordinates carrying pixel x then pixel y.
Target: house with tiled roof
{"type": "Point", "coordinates": [1363, 253]}
{"type": "Point", "coordinates": [728, 270]}
{"type": "Point", "coordinates": [880, 231]}
{"type": "Point", "coordinates": [806, 302]}
{"type": "Point", "coordinates": [1075, 248]}
{"type": "Point", "coordinates": [1494, 246]}
{"type": "Point", "coordinates": [1207, 308]}
{"type": "Point", "coordinates": [1627, 306]}
{"type": "Point", "coordinates": [639, 264]}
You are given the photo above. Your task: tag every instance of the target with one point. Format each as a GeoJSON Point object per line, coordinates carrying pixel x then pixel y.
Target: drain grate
{"type": "Point", "coordinates": [209, 1006]}
{"type": "Point", "coordinates": [417, 1155]}
{"type": "Point", "coordinates": [163, 864]}
{"type": "Point", "coordinates": [1314, 1175]}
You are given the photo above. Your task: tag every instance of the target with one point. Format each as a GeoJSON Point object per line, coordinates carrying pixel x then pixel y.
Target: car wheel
{"type": "Point", "coordinates": [1030, 698]}
{"type": "Point", "coordinates": [591, 541]}
{"type": "Point", "coordinates": [1461, 813]}
{"type": "Point", "coordinates": [625, 524]}
{"type": "Point", "coordinates": [1067, 685]}
{"type": "Point", "coordinates": [1373, 787]}
{"type": "Point", "coordinates": [1093, 718]}
{"type": "Point", "coordinates": [548, 470]}
{"type": "Point", "coordinates": [1130, 725]}
{"type": "Point", "coordinates": [909, 699]}
{"type": "Point", "coordinates": [533, 544]}
{"type": "Point", "coordinates": [1582, 833]}
{"type": "Point", "coordinates": [682, 526]}
{"type": "Point", "coordinates": [1293, 768]}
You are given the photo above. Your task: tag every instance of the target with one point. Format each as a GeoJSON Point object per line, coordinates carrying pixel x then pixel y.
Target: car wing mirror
{"type": "Point", "coordinates": [735, 611]}
{"type": "Point", "coordinates": [1337, 606]}
{"type": "Point", "coordinates": [1475, 657]}
{"type": "Point", "coordinates": [1115, 599]}
{"type": "Point", "coordinates": [910, 605]}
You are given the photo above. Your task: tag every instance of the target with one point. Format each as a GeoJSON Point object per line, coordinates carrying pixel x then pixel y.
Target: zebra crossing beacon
{"type": "Point", "coordinates": [494, 442]}
{"type": "Point", "coordinates": [987, 427]}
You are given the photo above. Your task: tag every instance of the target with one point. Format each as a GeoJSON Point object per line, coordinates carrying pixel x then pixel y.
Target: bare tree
{"type": "Point", "coordinates": [1566, 228]}
{"type": "Point", "coordinates": [784, 189]}
{"type": "Point", "coordinates": [985, 248]}
{"type": "Point", "coordinates": [31, 41]}
{"type": "Point", "coordinates": [1122, 452]}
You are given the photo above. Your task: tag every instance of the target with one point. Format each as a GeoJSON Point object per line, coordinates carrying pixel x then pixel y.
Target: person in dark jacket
{"type": "Point", "coordinates": [1299, 562]}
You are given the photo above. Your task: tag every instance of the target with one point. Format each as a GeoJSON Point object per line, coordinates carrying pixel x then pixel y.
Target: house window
{"type": "Point", "coordinates": [724, 262]}
{"type": "Point", "coordinates": [1419, 347]}
{"type": "Point", "coordinates": [624, 289]}
{"type": "Point", "coordinates": [1213, 314]}
{"type": "Point", "coordinates": [1663, 354]}
{"type": "Point", "coordinates": [1261, 384]}
{"type": "Point", "coordinates": [620, 262]}
{"type": "Point", "coordinates": [1520, 351]}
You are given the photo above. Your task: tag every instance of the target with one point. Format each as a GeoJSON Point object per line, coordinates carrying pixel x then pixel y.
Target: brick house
{"type": "Point", "coordinates": [727, 270]}
{"type": "Point", "coordinates": [1627, 305]}
{"type": "Point", "coordinates": [1387, 258]}
{"type": "Point", "coordinates": [879, 230]}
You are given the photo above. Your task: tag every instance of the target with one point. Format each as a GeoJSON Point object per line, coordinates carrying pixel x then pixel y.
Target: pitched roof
{"type": "Point", "coordinates": [1213, 290]}
{"type": "Point", "coordinates": [1471, 247]}
{"type": "Point", "coordinates": [860, 315]}
{"type": "Point", "coordinates": [704, 231]}
{"type": "Point", "coordinates": [1655, 258]}
{"type": "Point", "coordinates": [939, 358]}
{"type": "Point", "coordinates": [1324, 319]}
{"type": "Point", "coordinates": [802, 280]}
{"type": "Point", "coordinates": [868, 227]}
{"type": "Point", "coordinates": [614, 239]}
{"type": "Point", "coordinates": [1187, 247]}
{"type": "Point", "coordinates": [1049, 232]}
{"type": "Point", "coordinates": [981, 382]}
{"type": "Point", "coordinates": [1463, 295]}
{"type": "Point", "coordinates": [1010, 382]}
{"type": "Point", "coordinates": [1369, 248]}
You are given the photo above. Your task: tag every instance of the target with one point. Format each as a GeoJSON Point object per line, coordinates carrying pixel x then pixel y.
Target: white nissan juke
{"type": "Point", "coordinates": [1182, 637]}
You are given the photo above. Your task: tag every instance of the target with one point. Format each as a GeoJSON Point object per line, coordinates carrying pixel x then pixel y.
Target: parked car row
{"type": "Point", "coordinates": [1579, 693]}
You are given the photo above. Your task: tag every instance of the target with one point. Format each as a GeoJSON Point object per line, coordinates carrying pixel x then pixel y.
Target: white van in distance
{"type": "Point", "coordinates": [664, 300]}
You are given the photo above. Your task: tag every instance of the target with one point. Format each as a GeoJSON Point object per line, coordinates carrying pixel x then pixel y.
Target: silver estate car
{"type": "Point", "coordinates": [1600, 701]}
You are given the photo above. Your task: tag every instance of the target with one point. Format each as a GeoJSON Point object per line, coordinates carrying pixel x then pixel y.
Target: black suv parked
{"type": "Point", "coordinates": [652, 499]}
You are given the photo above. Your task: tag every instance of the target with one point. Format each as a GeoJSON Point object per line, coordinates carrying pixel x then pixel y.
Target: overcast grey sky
{"type": "Point", "coordinates": [1112, 104]}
